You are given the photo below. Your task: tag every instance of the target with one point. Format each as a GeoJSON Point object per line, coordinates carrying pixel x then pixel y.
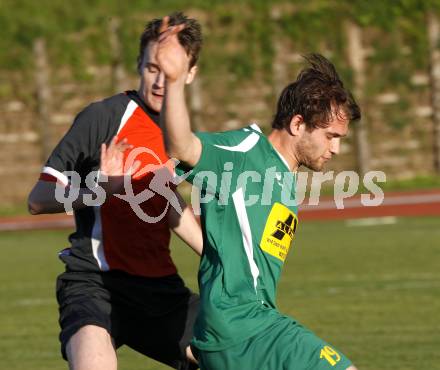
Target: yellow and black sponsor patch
{"type": "Point", "coordinates": [279, 231]}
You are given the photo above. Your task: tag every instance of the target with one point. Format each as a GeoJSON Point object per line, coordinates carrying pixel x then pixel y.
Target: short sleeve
{"type": "Point", "coordinates": [213, 158]}
{"type": "Point", "coordinates": [79, 149]}
{"type": "Point", "coordinates": [221, 152]}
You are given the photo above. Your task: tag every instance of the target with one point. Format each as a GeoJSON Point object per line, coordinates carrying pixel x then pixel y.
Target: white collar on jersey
{"type": "Point", "coordinates": [255, 127]}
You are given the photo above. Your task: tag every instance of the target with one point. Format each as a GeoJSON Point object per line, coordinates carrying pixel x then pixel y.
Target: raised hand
{"type": "Point", "coordinates": [112, 167]}
{"type": "Point", "coordinates": [171, 56]}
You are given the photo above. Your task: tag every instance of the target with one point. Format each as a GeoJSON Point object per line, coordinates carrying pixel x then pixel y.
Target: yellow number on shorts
{"type": "Point", "coordinates": [330, 355]}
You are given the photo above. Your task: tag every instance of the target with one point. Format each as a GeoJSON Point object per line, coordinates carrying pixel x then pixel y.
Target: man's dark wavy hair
{"type": "Point", "coordinates": [317, 91]}
{"type": "Point", "coordinates": [190, 37]}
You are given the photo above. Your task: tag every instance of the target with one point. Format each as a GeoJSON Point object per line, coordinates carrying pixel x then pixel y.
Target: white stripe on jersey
{"type": "Point", "coordinates": [256, 127]}
{"type": "Point", "coordinates": [246, 145]}
{"type": "Point", "coordinates": [243, 221]}
{"type": "Point", "coordinates": [57, 174]}
{"type": "Point", "coordinates": [96, 238]}
{"type": "Point", "coordinates": [282, 158]}
{"type": "Point", "coordinates": [131, 107]}
{"type": "Point", "coordinates": [97, 242]}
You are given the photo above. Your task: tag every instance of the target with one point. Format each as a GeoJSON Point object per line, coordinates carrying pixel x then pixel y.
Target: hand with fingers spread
{"type": "Point", "coordinates": [171, 56]}
{"type": "Point", "coordinates": [112, 168]}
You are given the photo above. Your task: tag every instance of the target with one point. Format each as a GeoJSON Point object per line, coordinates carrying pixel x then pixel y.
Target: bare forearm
{"type": "Point", "coordinates": [40, 202]}
{"type": "Point", "coordinates": [180, 141]}
{"type": "Point", "coordinates": [189, 231]}
{"type": "Point", "coordinates": [186, 226]}
{"type": "Point", "coordinates": [42, 199]}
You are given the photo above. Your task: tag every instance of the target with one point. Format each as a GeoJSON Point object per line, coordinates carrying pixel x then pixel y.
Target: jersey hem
{"type": "Point", "coordinates": [213, 348]}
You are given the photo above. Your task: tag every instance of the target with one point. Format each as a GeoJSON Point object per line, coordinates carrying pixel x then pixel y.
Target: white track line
{"type": "Point", "coordinates": [373, 221]}
{"type": "Point", "coordinates": [388, 201]}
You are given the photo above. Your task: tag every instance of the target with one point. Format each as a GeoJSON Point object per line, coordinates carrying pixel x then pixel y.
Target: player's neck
{"type": "Point", "coordinates": [282, 143]}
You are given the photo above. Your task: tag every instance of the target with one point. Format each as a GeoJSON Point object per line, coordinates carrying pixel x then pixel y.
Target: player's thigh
{"type": "Point", "coordinates": [83, 303]}
{"type": "Point", "coordinates": [256, 352]}
{"type": "Point", "coordinates": [285, 346]}
{"type": "Point", "coordinates": [91, 348]}
{"type": "Point", "coordinates": [164, 338]}
{"type": "Point", "coordinates": [300, 349]}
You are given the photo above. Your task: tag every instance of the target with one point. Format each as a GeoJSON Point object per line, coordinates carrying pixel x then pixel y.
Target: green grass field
{"type": "Point", "coordinates": [371, 291]}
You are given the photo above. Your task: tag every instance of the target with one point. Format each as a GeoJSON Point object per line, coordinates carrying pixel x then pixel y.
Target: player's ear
{"type": "Point", "coordinates": [191, 74]}
{"type": "Point", "coordinates": [139, 66]}
{"type": "Point", "coordinates": [296, 125]}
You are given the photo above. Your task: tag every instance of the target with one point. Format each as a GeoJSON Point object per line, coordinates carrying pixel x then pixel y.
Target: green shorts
{"type": "Point", "coordinates": [286, 345]}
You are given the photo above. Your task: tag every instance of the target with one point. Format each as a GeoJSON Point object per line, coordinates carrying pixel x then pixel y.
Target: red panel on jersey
{"type": "Point", "coordinates": [130, 243]}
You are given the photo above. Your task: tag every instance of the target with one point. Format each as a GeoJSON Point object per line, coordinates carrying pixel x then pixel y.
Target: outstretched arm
{"type": "Point", "coordinates": [180, 141]}
{"type": "Point", "coordinates": [42, 197]}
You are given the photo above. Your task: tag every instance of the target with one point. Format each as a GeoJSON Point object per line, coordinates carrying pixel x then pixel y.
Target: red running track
{"type": "Point", "coordinates": [409, 203]}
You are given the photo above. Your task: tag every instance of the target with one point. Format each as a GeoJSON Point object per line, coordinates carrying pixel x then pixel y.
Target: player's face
{"type": "Point", "coordinates": [152, 84]}
{"type": "Point", "coordinates": [317, 147]}
{"type": "Point", "coordinates": [152, 79]}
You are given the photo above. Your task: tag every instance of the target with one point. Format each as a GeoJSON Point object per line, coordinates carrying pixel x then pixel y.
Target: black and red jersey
{"type": "Point", "coordinates": [112, 236]}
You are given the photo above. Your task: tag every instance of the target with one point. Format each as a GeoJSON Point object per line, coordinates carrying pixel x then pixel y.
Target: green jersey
{"type": "Point", "coordinates": [248, 215]}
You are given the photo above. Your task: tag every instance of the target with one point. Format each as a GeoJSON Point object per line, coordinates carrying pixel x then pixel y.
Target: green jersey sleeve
{"type": "Point", "coordinates": [217, 150]}
{"type": "Point", "coordinates": [220, 152]}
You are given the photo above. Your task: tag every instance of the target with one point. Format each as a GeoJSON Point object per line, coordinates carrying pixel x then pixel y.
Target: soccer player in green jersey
{"type": "Point", "coordinates": [250, 223]}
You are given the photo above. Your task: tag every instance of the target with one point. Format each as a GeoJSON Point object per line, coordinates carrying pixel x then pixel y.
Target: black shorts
{"type": "Point", "coordinates": [154, 316]}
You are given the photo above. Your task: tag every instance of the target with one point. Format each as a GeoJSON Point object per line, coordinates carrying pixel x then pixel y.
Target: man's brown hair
{"type": "Point", "coordinates": [190, 37]}
{"type": "Point", "coordinates": [317, 90]}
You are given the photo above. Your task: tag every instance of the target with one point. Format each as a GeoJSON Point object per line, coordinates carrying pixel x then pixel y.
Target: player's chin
{"type": "Point", "coordinates": [155, 104]}
{"type": "Point", "coordinates": [316, 166]}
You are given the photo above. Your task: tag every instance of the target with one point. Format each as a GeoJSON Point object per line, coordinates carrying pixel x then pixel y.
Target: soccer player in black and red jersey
{"type": "Point", "coordinates": [121, 285]}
